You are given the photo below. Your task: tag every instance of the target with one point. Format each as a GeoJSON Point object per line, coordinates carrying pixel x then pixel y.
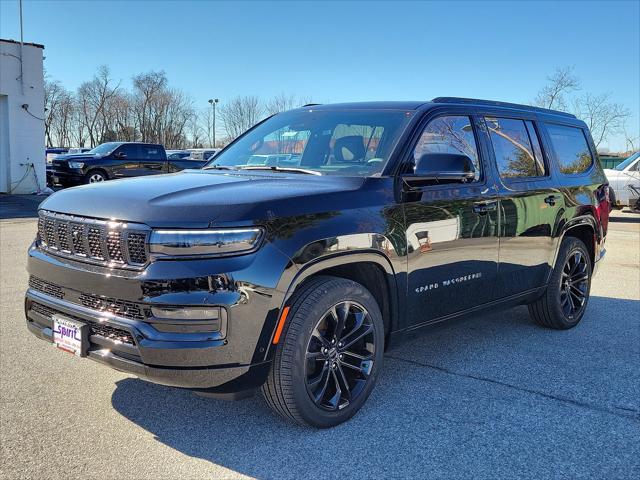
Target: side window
{"type": "Point", "coordinates": [131, 151]}
{"type": "Point", "coordinates": [516, 147]}
{"type": "Point", "coordinates": [571, 147]}
{"type": "Point", "coordinates": [449, 134]}
{"type": "Point", "coordinates": [151, 152]}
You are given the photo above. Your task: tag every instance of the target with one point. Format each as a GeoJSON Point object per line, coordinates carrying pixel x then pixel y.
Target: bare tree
{"type": "Point", "coordinates": [92, 100]}
{"type": "Point", "coordinates": [561, 83]}
{"type": "Point", "coordinates": [240, 113]}
{"type": "Point", "coordinates": [282, 103]}
{"type": "Point", "coordinates": [631, 141]}
{"type": "Point", "coordinates": [602, 116]}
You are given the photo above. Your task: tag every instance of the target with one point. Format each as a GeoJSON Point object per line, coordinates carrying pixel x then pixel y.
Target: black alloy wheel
{"type": "Point", "coordinates": [564, 301]}
{"type": "Point", "coordinates": [328, 356]}
{"type": "Point", "coordinates": [574, 286]}
{"type": "Point", "coordinates": [340, 356]}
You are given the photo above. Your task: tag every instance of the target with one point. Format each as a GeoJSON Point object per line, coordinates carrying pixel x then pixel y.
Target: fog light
{"type": "Point", "coordinates": [186, 313]}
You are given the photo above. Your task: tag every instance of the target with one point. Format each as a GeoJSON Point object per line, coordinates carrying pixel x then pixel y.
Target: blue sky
{"type": "Point", "coordinates": [339, 51]}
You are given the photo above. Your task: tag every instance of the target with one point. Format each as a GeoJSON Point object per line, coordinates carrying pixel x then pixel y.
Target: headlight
{"type": "Point", "coordinates": [205, 242]}
{"type": "Point", "coordinates": [76, 164]}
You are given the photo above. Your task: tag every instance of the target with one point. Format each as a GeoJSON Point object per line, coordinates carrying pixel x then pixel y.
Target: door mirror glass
{"type": "Point", "coordinates": [442, 168]}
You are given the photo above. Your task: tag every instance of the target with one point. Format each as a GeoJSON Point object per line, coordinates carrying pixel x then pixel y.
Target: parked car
{"type": "Point", "coordinates": [115, 160]}
{"type": "Point", "coordinates": [78, 150]}
{"type": "Point", "coordinates": [625, 174]}
{"type": "Point", "coordinates": [178, 154]}
{"type": "Point", "coordinates": [51, 153]}
{"type": "Point", "coordinates": [296, 279]}
{"type": "Point", "coordinates": [202, 153]}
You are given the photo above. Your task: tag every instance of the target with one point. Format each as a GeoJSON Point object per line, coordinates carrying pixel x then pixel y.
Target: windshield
{"type": "Point", "coordinates": [106, 148]}
{"type": "Point", "coordinates": [621, 166]}
{"type": "Point", "coordinates": [339, 142]}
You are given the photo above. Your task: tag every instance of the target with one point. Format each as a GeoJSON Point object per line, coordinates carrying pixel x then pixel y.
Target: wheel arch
{"type": "Point", "coordinates": [583, 228]}
{"type": "Point", "coordinates": [371, 269]}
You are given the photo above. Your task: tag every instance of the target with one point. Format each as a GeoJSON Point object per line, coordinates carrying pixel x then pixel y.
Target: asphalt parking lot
{"type": "Point", "coordinates": [493, 397]}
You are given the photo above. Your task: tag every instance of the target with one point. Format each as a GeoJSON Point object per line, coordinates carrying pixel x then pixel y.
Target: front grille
{"type": "Point", "coordinates": [42, 309]}
{"type": "Point", "coordinates": [97, 241]}
{"type": "Point", "coordinates": [121, 308]}
{"type": "Point", "coordinates": [99, 329]}
{"type": "Point", "coordinates": [45, 287]}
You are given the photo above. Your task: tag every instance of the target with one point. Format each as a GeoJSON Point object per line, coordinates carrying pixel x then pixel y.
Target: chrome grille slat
{"type": "Point", "coordinates": [62, 231]}
{"type": "Point", "coordinates": [103, 242]}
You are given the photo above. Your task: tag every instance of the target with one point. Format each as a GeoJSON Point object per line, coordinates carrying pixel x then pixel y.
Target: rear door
{"type": "Point", "coordinates": [530, 204]}
{"type": "Point", "coordinates": [451, 229]}
{"type": "Point", "coordinates": [153, 160]}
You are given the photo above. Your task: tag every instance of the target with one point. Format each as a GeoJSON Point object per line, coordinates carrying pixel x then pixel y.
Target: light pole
{"type": "Point", "coordinates": [213, 102]}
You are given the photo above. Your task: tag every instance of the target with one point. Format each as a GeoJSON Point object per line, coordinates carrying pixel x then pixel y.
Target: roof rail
{"type": "Point", "coordinates": [311, 105]}
{"type": "Point", "coordinates": [492, 103]}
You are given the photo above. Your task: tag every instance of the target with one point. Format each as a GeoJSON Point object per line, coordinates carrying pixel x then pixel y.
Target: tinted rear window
{"type": "Point", "coordinates": [571, 148]}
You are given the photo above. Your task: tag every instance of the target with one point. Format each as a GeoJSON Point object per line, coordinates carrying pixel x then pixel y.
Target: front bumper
{"type": "Point", "coordinates": [126, 336]}
{"type": "Point", "coordinates": [108, 345]}
{"type": "Point", "coordinates": [64, 177]}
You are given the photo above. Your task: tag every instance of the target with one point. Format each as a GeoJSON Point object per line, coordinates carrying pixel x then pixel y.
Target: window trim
{"type": "Point", "coordinates": [587, 139]}
{"type": "Point", "coordinates": [512, 180]}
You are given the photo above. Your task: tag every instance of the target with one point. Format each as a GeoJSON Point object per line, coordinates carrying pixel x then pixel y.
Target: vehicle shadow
{"type": "Point", "coordinates": [465, 401]}
{"type": "Point", "coordinates": [630, 218]}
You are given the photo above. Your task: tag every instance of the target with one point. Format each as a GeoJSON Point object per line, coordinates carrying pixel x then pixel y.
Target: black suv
{"type": "Point", "coordinates": [318, 239]}
{"type": "Point", "coordinates": [115, 160]}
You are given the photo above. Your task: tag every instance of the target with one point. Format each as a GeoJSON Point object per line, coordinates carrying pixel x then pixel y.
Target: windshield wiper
{"type": "Point", "coordinates": [283, 169]}
{"type": "Point", "coordinates": [219, 167]}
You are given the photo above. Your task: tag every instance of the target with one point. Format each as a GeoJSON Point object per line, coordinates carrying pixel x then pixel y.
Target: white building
{"type": "Point", "coordinates": [22, 142]}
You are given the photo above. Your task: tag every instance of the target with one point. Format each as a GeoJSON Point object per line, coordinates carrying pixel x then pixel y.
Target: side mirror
{"type": "Point", "coordinates": [441, 168]}
{"type": "Point", "coordinates": [120, 155]}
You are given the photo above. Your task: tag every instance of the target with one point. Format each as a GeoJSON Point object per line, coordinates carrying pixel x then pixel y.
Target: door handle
{"type": "Point", "coordinates": [550, 200]}
{"type": "Point", "coordinates": [481, 208]}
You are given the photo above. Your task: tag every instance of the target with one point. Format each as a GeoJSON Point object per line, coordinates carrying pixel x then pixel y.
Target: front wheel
{"type": "Point", "coordinates": [565, 299]}
{"type": "Point", "coordinates": [329, 354]}
{"type": "Point", "coordinates": [95, 176]}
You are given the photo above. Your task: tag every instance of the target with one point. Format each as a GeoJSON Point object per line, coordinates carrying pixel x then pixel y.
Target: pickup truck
{"type": "Point", "coordinates": [113, 160]}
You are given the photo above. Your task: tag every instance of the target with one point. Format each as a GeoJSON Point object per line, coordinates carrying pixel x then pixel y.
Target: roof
{"type": "Point", "coordinates": [406, 105]}
{"type": "Point", "coordinates": [415, 105]}
{"type": "Point", "coordinates": [494, 103]}
{"type": "Point", "coordinates": [38, 45]}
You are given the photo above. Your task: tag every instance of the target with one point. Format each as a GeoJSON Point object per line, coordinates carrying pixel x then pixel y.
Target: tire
{"type": "Point", "coordinates": [95, 176]}
{"type": "Point", "coordinates": [299, 359]}
{"type": "Point", "coordinates": [565, 300]}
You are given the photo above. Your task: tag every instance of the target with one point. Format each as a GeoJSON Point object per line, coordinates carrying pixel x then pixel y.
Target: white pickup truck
{"type": "Point", "coordinates": [623, 176]}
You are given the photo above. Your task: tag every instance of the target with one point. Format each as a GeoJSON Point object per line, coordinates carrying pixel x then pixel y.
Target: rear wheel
{"type": "Point", "coordinates": [565, 300]}
{"type": "Point", "coordinates": [329, 354]}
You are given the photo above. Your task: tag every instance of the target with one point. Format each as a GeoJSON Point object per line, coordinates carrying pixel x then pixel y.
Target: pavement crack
{"type": "Point", "coordinates": [588, 406]}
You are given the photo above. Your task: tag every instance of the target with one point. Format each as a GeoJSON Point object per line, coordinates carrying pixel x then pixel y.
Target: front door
{"type": "Point", "coordinates": [124, 161]}
{"type": "Point", "coordinates": [530, 206]}
{"type": "Point", "coordinates": [452, 229]}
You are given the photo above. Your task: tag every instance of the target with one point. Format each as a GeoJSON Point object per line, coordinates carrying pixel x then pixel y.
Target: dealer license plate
{"type": "Point", "coordinates": [68, 335]}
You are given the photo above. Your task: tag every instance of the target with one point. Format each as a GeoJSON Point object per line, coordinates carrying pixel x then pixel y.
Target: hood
{"type": "Point", "coordinates": [199, 198]}
{"type": "Point", "coordinates": [76, 156]}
